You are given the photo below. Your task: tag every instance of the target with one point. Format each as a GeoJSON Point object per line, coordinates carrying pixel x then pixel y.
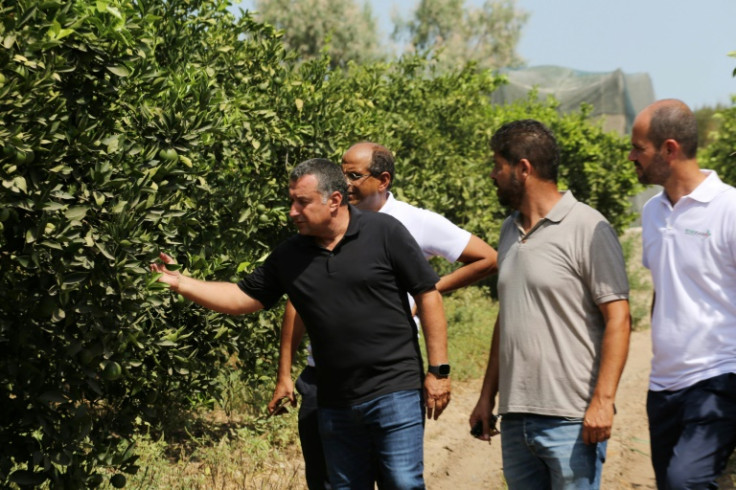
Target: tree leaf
{"type": "Point", "coordinates": [76, 213]}
{"type": "Point", "coordinates": [119, 70]}
{"type": "Point", "coordinates": [27, 478]}
{"type": "Point", "coordinates": [52, 396]}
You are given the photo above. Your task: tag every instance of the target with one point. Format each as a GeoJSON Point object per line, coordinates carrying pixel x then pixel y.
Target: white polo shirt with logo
{"type": "Point", "coordinates": [690, 249]}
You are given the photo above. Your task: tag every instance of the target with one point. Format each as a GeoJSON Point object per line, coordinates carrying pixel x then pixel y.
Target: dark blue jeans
{"type": "Point", "coordinates": [692, 432]}
{"type": "Point", "coordinates": [380, 440]}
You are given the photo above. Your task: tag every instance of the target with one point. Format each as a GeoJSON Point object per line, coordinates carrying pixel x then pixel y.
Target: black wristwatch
{"type": "Point", "coordinates": [440, 371]}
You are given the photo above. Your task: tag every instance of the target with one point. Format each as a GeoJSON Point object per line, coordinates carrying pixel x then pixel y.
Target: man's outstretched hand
{"type": "Point", "coordinates": [169, 271]}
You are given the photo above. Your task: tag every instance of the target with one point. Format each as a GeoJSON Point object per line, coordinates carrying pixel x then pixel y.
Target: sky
{"type": "Point", "coordinates": [682, 44]}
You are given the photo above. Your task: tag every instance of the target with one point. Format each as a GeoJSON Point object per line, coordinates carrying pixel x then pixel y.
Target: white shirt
{"type": "Point", "coordinates": [436, 235]}
{"type": "Point", "coordinates": [690, 249]}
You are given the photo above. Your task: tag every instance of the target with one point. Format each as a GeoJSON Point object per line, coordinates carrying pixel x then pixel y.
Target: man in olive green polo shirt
{"type": "Point", "coordinates": [562, 332]}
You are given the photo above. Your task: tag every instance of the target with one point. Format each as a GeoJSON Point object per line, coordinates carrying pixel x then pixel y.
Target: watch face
{"type": "Point", "coordinates": [442, 370]}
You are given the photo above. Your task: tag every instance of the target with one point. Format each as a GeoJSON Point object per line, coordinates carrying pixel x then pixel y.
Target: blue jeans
{"type": "Point", "coordinates": [379, 440]}
{"type": "Point", "coordinates": [692, 432]}
{"type": "Point", "coordinates": [541, 452]}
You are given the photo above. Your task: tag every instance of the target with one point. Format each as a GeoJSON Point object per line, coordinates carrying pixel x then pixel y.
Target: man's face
{"type": "Point", "coordinates": [509, 189]}
{"type": "Point", "coordinates": [651, 166]}
{"type": "Point", "coordinates": [309, 211]}
{"type": "Point", "coordinates": [363, 187]}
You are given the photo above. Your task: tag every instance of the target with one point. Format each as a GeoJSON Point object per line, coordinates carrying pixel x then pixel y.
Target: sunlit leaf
{"type": "Point", "coordinates": [76, 212]}
{"type": "Point", "coordinates": [119, 70]}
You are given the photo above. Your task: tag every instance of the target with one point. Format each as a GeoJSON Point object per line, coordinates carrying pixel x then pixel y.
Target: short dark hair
{"type": "Point", "coordinates": [674, 121]}
{"type": "Point", "coordinates": [329, 177]}
{"type": "Point", "coordinates": [382, 160]}
{"type": "Point", "coordinates": [528, 139]}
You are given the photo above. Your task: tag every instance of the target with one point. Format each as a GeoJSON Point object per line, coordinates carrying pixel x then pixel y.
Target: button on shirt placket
{"type": "Point", "coordinates": [524, 236]}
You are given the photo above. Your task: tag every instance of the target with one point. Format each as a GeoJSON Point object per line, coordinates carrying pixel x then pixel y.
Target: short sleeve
{"type": "Point", "coordinates": [442, 238]}
{"type": "Point", "coordinates": [606, 268]}
{"type": "Point", "coordinates": [263, 284]}
{"type": "Point", "coordinates": [412, 270]}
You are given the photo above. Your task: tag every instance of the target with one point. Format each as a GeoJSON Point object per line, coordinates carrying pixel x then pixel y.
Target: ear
{"type": "Point", "coordinates": [334, 201]}
{"type": "Point", "coordinates": [384, 181]}
{"type": "Point", "coordinates": [670, 147]}
{"type": "Point", "coordinates": [525, 168]}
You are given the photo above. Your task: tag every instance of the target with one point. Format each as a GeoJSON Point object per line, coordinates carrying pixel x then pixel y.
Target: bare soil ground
{"type": "Point", "coordinates": [455, 460]}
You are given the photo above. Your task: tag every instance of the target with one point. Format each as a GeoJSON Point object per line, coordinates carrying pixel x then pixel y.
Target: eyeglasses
{"type": "Point", "coordinates": [353, 176]}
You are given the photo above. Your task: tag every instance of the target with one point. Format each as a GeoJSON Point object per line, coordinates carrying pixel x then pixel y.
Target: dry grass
{"type": "Point", "coordinates": [640, 282]}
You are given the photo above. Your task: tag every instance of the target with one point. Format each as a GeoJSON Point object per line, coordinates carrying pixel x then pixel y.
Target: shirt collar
{"type": "Point", "coordinates": [705, 192]}
{"type": "Point", "coordinates": [389, 205]}
{"type": "Point", "coordinates": [556, 214]}
{"type": "Point", "coordinates": [354, 223]}
{"type": "Point", "coordinates": [707, 189]}
{"type": "Point", "coordinates": [562, 208]}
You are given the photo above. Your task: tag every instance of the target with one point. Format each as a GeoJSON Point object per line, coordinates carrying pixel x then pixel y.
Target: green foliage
{"type": "Point", "coordinates": [123, 126]}
{"type": "Point", "coordinates": [471, 317]}
{"type": "Point", "coordinates": [456, 34]}
{"type": "Point", "coordinates": [720, 154]}
{"type": "Point", "coordinates": [708, 124]}
{"type": "Point", "coordinates": [130, 128]}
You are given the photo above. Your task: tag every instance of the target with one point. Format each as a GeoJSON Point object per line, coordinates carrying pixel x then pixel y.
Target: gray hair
{"type": "Point", "coordinates": [329, 177]}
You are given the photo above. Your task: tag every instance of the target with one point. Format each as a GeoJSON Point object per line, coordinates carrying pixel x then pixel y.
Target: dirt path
{"type": "Point", "coordinates": [455, 460]}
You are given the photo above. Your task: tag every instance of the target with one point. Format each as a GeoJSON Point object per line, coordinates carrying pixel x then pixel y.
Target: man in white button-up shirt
{"type": "Point", "coordinates": [689, 245]}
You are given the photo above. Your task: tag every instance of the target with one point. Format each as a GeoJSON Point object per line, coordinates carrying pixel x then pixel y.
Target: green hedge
{"type": "Point", "coordinates": [720, 155]}
{"type": "Point", "coordinates": [129, 128]}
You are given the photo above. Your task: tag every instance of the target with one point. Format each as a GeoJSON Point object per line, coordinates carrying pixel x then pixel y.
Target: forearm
{"type": "Point", "coordinates": [614, 351]}
{"type": "Point", "coordinates": [434, 326]}
{"type": "Point", "coordinates": [466, 275]}
{"type": "Point", "coordinates": [480, 261]}
{"type": "Point", "coordinates": [292, 332]}
{"type": "Point", "coordinates": [491, 377]}
{"type": "Point", "coordinates": [223, 297]}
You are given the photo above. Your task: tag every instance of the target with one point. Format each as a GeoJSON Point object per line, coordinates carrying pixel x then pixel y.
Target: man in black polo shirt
{"type": "Point", "coordinates": [347, 273]}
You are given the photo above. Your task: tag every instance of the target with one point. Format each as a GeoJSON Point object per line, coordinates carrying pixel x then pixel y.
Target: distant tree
{"type": "Point", "coordinates": [456, 34]}
{"type": "Point", "coordinates": [720, 154]}
{"type": "Point", "coordinates": [708, 123]}
{"type": "Point", "coordinates": [346, 28]}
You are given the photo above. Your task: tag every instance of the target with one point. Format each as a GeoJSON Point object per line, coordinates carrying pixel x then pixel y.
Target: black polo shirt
{"type": "Point", "coordinates": [354, 304]}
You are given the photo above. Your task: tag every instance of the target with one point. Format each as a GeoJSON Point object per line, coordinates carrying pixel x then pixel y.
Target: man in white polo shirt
{"type": "Point", "coordinates": [369, 170]}
{"type": "Point", "coordinates": [689, 239]}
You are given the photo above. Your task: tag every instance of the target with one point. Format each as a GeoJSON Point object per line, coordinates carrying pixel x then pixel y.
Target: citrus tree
{"type": "Point", "coordinates": [720, 154]}
{"type": "Point", "coordinates": [123, 126]}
